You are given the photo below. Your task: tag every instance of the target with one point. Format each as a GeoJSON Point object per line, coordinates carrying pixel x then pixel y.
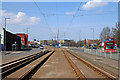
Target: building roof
{"type": "Point", "coordinates": [22, 33]}
{"type": "Point", "coordinates": [30, 42]}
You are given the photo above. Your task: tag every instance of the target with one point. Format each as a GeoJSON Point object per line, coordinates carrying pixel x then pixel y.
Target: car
{"type": "Point", "coordinates": [94, 48]}
{"type": "Point", "coordinates": [41, 47]}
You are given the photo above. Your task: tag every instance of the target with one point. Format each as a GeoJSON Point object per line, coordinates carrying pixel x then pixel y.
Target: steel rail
{"type": "Point", "coordinates": [32, 71]}
{"type": "Point", "coordinates": [12, 67]}
{"type": "Point", "coordinates": [80, 75]}
{"type": "Point", "coordinates": [100, 71]}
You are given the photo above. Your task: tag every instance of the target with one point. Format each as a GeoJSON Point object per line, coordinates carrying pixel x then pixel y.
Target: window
{"type": "Point", "coordinates": [109, 39]}
{"type": "Point", "coordinates": [109, 47]}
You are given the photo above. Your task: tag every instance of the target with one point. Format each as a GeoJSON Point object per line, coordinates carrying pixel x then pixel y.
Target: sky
{"type": "Point", "coordinates": [75, 20]}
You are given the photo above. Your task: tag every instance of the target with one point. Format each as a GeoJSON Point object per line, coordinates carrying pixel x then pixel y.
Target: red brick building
{"type": "Point", "coordinates": [24, 38]}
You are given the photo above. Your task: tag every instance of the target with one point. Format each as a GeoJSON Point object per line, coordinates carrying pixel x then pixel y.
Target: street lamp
{"type": "Point", "coordinates": [5, 32]}
{"type": "Point", "coordinates": [93, 35]}
{"type": "Point", "coordinates": [27, 36]}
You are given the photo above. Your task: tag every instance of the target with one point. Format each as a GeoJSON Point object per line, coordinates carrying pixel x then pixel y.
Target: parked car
{"type": "Point", "coordinates": [94, 48]}
{"type": "Point", "coordinates": [41, 47]}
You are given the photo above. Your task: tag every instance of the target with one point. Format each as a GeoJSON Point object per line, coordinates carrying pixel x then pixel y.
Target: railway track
{"type": "Point", "coordinates": [12, 67]}
{"type": "Point", "coordinates": [19, 59]}
{"type": "Point", "coordinates": [104, 66]}
{"type": "Point", "coordinates": [78, 73]}
{"type": "Point", "coordinates": [97, 71]}
{"type": "Point", "coordinates": [25, 68]}
{"type": "Point", "coordinates": [33, 70]}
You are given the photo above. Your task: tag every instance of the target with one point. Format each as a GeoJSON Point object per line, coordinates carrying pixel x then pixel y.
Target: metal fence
{"type": "Point", "coordinates": [99, 52]}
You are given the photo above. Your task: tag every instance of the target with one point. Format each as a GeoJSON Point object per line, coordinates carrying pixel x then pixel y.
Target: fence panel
{"type": "Point", "coordinates": [98, 52]}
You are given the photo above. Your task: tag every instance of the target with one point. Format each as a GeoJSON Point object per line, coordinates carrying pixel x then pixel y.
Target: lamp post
{"type": "Point", "coordinates": [93, 35]}
{"type": "Point", "coordinates": [5, 32]}
{"type": "Point", "coordinates": [27, 35]}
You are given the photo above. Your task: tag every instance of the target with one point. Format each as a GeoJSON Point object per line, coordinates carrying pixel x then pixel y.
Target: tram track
{"type": "Point", "coordinates": [13, 66]}
{"type": "Point", "coordinates": [78, 73]}
{"type": "Point", "coordinates": [33, 70]}
{"type": "Point", "coordinates": [98, 71]}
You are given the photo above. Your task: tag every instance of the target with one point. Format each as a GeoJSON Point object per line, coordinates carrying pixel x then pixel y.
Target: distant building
{"type": "Point", "coordinates": [88, 42]}
{"type": "Point", "coordinates": [47, 42]}
{"type": "Point", "coordinates": [24, 38]}
{"type": "Point", "coordinates": [65, 42]}
{"type": "Point", "coordinates": [55, 42]}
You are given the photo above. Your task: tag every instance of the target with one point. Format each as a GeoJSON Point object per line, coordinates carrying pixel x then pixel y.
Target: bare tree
{"type": "Point", "coordinates": [116, 34]}
{"type": "Point", "coordinates": [106, 32]}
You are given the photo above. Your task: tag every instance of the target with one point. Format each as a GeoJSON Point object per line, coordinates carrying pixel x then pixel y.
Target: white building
{"type": "Point", "coordinates": [1, 37]}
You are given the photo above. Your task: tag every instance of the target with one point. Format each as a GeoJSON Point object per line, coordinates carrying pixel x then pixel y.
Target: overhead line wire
{"type": "Point", "coordinates": [43, 16]}
{"type": "Point", "coordinates": [73, 17]}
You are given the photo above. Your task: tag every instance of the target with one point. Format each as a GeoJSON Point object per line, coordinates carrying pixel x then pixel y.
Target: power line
{"type": "Point", "coordinates": [74, 16]}
{"type": "Point", "coordinates": [39, 8]}
{"type": "Point", "coordinates": [44, 17]}
{"type": "Point", "coordinates": [57, 21]}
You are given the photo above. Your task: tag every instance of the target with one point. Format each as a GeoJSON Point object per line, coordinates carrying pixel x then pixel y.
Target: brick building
{"type": "Point", "coordinates": [24, 38]}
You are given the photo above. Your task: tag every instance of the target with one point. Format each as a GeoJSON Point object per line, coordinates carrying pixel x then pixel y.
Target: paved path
{"type": "Point", "coordinates": [56, 67]}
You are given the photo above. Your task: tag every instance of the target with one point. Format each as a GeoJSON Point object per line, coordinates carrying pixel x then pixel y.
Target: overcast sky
{"type": "Point", "coordinates": [45, 18]}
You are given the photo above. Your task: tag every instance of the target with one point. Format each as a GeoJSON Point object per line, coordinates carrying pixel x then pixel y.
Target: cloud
{"type": "Point", "coordinates": [20, 18]}
{"type": "Point", "coordinates": [70, 13]}
{"type": "Point", "coordinates": [93, 3]}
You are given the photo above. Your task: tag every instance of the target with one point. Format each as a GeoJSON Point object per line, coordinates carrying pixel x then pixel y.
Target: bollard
{"type": "Point", "coordinates": [100, 52]}
{"type": "Point", "coordinates": [90, 51]}
{"type": "Point", "coordinates": [110, 54]}
{"type": "Point", "coordinates": [105, 54]}
{"type": "Point", "coordinates": [96, 52]}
